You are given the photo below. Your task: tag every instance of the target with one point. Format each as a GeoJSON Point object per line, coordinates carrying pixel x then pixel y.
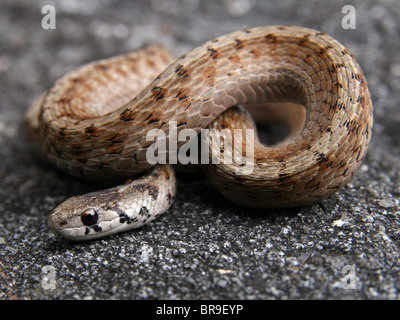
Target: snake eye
{"type": "Point", "coordinates": [89, 217]}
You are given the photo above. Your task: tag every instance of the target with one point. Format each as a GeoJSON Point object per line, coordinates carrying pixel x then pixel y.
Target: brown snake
{"type": "Point", "coordinates": [81, 127]}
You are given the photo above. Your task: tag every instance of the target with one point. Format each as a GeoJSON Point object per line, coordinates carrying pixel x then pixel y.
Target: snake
{"type": "Point", "coordinates": [94, 123]}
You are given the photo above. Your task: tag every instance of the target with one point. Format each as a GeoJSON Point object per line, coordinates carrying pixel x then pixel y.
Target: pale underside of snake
{"type": "Point", "coordinates": [88, 126]}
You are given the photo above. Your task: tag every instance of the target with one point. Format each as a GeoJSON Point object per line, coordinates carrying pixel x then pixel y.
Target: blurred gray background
{"type": "Point", "coordinates": [345, 247]}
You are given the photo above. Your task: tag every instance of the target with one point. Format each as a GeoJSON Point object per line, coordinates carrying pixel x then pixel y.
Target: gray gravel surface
{"type": "Point", "coordinates": [345, 247]}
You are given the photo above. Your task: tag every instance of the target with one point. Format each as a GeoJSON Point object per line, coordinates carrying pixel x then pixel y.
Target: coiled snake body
{"type": "Point", "coordinates": [86, 127]}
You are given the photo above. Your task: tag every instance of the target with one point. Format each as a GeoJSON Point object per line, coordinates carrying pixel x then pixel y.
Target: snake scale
{"type": "Point", "coordinates": [89, 126]}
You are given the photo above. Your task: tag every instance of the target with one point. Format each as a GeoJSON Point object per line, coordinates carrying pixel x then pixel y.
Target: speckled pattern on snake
{"type": "Point", "coordinates": [93, 123]}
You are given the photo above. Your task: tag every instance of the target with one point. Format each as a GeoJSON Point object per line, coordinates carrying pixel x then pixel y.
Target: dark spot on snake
{"type": "Point", "coordinates": [239, 179]}
{"type": "Point", "coordinates": [183, 123]}
{"type": "Point", "coordinates": [333, 106]}
{"type": "Point", "coordinates": [135, 219]}
{"type": "Point", "coordinates": [115, 209]}
{"type": "Point", "coordinates": [239, 44]}
{"type": "Point", "coordinates": [235, 58]}
{"type": "Point", "coordinates": [304, 39]}
{"type": "Point", "coordinates": [64, 100]}
{"type": "Point", "coordinates": [352, 125]}
{"type": "Point", "coordinates": [126, 115]}
{"type": "Point", "coordinates": [181, 95]}
{"type": "Point", "coordinates": [162, 123]}
{"type": "Point", "coordinates": [158, 93]}
{"type": "Point", "coordinates": [342, 164]}
{"type": "Point", "coordinates": [116, 139]}
{"type": "Point", "coordinates": [322, 158]}
{"type": "Point", "coordinates": [182, 72]}
{"type": "Point", "coordinates": [143, 211]}
{"type": "Point", "coordinates": [359, 155]}
{"type": "Point", "coordinates": [188, 106]}
{"type": "Point", "coordinates": [336, 67]}
{"type": "Point", "coordinates": [346, 123]}
{"type": "Point", "coordinates": [338, 85]}
{"type": "Point", "coordinates": [283, 177]}
{"type": "Point", "coordinates": [339, 106]}
{"type": "Point", "coordinates": [91, 129]}
{"type": "Point", "coordinates": [312, 184]}
{"type": "Point", "coordinates": [87, 230]}
{"type": "Point", "coordinates": [153, 121]}
{"type": "Point", "coordinates": [153, 190]}
{"type": "Point", "coordinates": [76, 80]}
{"type": "Point", "coordinates": [101, 67]}
{"type": "Point", "coordinates": [322, 51]}
{"type": "Point", "coordinates": [214, 53]}
{"type": "Point", "coordinates": [316, 186]}
{"type": "Point", "coordinates": [256, 53]}
{"type": "Point", "coordinates": [169, 198]}
{"type": "Point", "coordinates": [271, 37]}
{"type": "Point", "coordinates": [61, 132]}
{"type": "Point", "coordinates": [97, 228]}
{"type": "Point", "coordinates": [123, 217]}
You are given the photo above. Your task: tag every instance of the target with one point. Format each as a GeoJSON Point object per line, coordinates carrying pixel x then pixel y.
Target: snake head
{"type": "Point", "coordinates": [118, 209]}
{"type": "Point", "coordinates": [83, 218]}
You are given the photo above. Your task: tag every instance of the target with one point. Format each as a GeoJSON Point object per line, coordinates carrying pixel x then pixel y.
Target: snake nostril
{"type": "Point", "coordinates": [63, 223]}
{"type": "Point", "coordinates": [89, 217]}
